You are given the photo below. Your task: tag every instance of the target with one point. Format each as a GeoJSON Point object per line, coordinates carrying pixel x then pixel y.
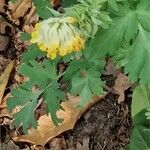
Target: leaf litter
{"type": "Point", "coordinates": [4, 79]}
{"type": "Point", "coordinates": [121, 85]}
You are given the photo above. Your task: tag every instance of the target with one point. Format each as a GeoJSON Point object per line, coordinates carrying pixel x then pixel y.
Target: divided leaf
{"type": "Point", "coordinates": [26, 101]}
{"type": "Point", "coordinates": [42, 82]}
{"type": "Point", "coordinates": [52, 97]}
{"type": "Point", "coordinates": [87, 85]}
{"type": "Point", "coordinates": [123, 27]}
{"type": "Point", "coordinates": [140, 99]}
{"type": "Point", "coordinates": [140, 138]}
{"type": "Point", "coordinates": [39, 74]}
{"type": "Point", "coordinates": [138, 66]}
{"type": "Point", "coordinates": [113, 5]}
{"type": "Point", "coordinates": [140, 135]}
{"type": "Point", "coordinates": [32, 52]}
{"type": "Point", "coordinates": [120, 56]}
{"type": "Point", "coordinates": [25, 36]}
{"type": "Point", "coordinates": [68, 3]}
{"type": "Point", "coordinates": [143, 12]}
{"type": "Point", "coordinates": [43, 8]}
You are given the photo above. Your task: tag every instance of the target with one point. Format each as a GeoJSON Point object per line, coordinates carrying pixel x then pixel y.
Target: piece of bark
{"type": "Point", "coordinates": [4, 41]}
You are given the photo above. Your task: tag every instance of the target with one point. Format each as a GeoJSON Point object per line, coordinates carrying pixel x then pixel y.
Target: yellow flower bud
{"type": "Point", "coordinates": [58, 36]}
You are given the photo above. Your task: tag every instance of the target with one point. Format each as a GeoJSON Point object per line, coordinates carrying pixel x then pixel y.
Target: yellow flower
{"type": "Point", "coordinates": [58, 36]}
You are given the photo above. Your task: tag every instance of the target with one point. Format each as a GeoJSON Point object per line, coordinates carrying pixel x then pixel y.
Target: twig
{"type": "Point", "coordinates": [109, 89]}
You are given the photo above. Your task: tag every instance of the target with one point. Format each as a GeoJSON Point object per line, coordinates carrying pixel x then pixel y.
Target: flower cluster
{"type": "Point", "coordinates": [58, 36]}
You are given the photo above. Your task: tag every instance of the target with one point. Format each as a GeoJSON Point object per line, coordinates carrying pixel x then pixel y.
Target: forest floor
{"type": "Point", "coordinates": [104, 126]}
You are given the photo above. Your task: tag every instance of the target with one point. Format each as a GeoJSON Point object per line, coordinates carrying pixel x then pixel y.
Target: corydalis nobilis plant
{"type": "Point", "coordinates": [57, 36]}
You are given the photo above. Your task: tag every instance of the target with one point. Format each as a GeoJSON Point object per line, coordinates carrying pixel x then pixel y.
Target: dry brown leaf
{"type": "Point", "coordinates": [2, 4]}
{"type": "Point", "coordinates": [3, 101]}
{"type": "Point", "coordinates": [20, 8]}
{"type": "Point", "coordinates": [3, 26]}
{"type": "Point", "coordinates": [26, 10]}
{"type": "Point", "coordinates": [46, 130]}
{"type": "Point", "coordinates": [121, 84]}
{"type": "Point", "coordinates": [110, 69]}
{"type": "Point", "coordinates": [4, 79]}
{"type": "Point", "coordinates": [4, 41]}
{"type": "Point", "coordinates": [31, 16]}
{"type": "Point", "coordinates": [56, 3]}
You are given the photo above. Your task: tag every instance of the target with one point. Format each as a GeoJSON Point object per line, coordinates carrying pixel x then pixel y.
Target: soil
{"type": "Point", "coordinates": [106, 126]}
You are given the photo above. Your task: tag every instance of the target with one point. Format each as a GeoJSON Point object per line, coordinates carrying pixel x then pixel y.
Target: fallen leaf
{"type": "Point", "coordinates": [31, 16]}
{"type": "Point", "coordinates": [110, 69]}
{"type": "Point", "coordinates": [3, 101]}
{"type": "Point", "coordinates": [4, 79]}
{"type": "Point", "coordinates": [3, 63]}
{"type": "Point", "coordinates": [27, 11]}
{"type": "Point", "coordinates": [20, 8]}
{"type": "Point", "coordinates": [121, 84]}
{"type": "Point", "coordinates": [2, 4]}
{"type": "Point", "coordinates": [46, 130]}
{"type": "Point", "coordinates": [4, 41]}
{"type": "Point", "coordinates": [3, 26]}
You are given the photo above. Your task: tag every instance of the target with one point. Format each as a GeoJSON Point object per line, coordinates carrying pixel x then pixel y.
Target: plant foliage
{"type": "Point", "coordinates": [113, 28]}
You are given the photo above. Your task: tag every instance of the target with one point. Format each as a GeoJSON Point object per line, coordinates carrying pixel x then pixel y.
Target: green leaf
{"type": "Point", "coordinates": [140, 119]}
{"type": "Point", "coordinates": [88, 84]}
{"type": "Point", "coordinates": [138, 58]}
{"type": "Point", "coordinates": [143, 12]}
{"type": "Point", "coordinates": [43, 8]}
{"type": "Point", "coordinates": [25, 36]}
{"type": "Point", "coordinates": [39, 74]}
{"type": "Point", "coordinates": [74, 67]}
{"type": "Point", "coordinates": [52, 97]}
{"type": "Point", "coordinates": [140, 133]}
{"type": "Point", "coordinates": [140, 138]}
{"type": "Point", "coordinates": [32, 52]}
{"type": "Point", "coordinates": [147, 114]}
{"type": "Point", "coordinates": [123, 27]}
{"type": "Point", "coordinates": [98, 61]}
{"type": "Point", "coordinates": [43, 79]}
{"type": "Point", "coordinates": [120, 55]}
{"type": "Point", "coordinates": [112, 4]}
{"type": "Point", "coordinates": [22, 95]}
{"type": "Point", "coordinates": [28, 100]}
{"type": "Point", "coordinates": [14, 1]}
{"type": "Point", "coordinates": [140, 99]}
{"type": "Point", "coordinates": [68, 3]}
